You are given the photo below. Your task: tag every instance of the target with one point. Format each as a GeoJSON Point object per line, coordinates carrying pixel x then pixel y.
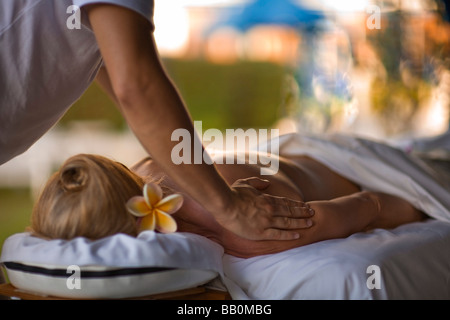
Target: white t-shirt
{"type": "Point", "coordinates": [45, 66]}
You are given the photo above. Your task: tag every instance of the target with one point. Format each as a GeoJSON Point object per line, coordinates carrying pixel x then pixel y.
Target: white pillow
{"type": "Point", "coordinates": [118, 266]}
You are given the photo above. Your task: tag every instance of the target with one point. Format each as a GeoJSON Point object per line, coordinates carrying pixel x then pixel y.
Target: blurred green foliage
{"type": "Point", "coordinates": [94, 105]}
{"type": "Point", "coordinates": [241, 95]}
{"type": "Point", "coordinates": [398, 103]}
{"type": "Point", "coordinates": [397, 95]}
{"type": "Point", "coordinates": [16, 206]}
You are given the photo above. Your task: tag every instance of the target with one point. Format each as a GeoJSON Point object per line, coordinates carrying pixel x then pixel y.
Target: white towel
{"type": "Point", "coordinates": [375, 166]}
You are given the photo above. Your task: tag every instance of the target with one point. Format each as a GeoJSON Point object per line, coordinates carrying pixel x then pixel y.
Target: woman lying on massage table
{"type": "Point", "coordinates": [88, 195]}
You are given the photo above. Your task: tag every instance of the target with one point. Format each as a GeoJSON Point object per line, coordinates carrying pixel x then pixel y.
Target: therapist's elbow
{"type": "Point", "coordinates": [128, 89]}
{"type": "Point", "coordinates": [131, 93]}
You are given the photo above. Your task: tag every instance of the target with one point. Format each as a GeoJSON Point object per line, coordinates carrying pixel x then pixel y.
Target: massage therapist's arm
{"type": "Point", "coordinates": [153, 109]}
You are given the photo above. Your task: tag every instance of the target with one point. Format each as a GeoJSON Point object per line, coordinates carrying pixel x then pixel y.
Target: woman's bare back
{"type": "Point", "coordinates": [298, 178]}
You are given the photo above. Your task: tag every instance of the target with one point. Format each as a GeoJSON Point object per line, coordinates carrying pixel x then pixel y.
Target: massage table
{"type": "Point", "coordinates": [411, 261]}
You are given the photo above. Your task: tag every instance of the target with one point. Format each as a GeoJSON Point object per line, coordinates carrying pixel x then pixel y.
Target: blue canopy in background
{"type": "Point", "coordinates": [269, 12]}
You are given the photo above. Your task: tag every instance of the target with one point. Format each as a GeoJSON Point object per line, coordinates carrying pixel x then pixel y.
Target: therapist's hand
{"type": "Point", "coordinates": [256, 215]}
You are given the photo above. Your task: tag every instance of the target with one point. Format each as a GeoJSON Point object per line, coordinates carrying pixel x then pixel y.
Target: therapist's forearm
{"type": "Point", "coordinates": [154, 112]}
{"type": "Point", "coordinates": [141, 109]}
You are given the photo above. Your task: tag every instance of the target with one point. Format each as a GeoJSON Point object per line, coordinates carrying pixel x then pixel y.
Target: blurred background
{"type": "Point", "coordinates": [378, 69]}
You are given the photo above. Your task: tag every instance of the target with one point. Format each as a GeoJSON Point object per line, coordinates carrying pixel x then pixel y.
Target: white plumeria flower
{"type": "Point", "coordinates": [155, 210]}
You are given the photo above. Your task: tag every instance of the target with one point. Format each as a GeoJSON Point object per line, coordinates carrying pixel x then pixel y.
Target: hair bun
{"type": "Point", "coordinates": [73, 177]}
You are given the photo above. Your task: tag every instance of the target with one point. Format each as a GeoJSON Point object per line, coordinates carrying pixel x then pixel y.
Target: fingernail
{"type": "Point", "coordinates": [309, 223]}
{"type": "Point", "coordinates": [311, 212]}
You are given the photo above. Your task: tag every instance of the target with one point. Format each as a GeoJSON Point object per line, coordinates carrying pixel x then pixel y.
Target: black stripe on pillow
{"type": "Point", "coordinates": [84, 274]}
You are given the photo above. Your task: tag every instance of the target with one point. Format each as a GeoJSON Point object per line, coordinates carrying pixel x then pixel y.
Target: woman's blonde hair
{"type": "Point", "coordinates": [86, 197]}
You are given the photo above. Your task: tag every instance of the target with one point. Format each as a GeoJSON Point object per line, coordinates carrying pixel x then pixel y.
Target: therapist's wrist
{"type": "Point", "coordinates": [223, 206]}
